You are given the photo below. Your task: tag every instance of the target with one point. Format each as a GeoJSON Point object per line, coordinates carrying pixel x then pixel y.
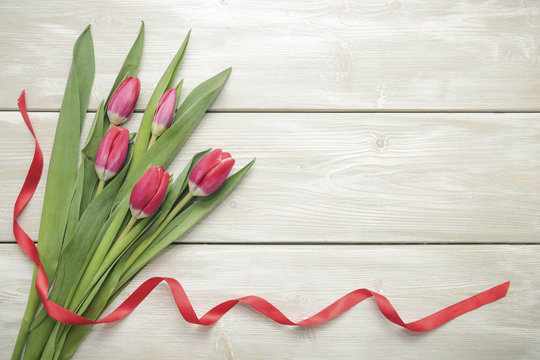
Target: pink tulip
{"type": "Point", "coordinates": [148, 192]}
{"type": "Point", "coordinates": [112, 152]}
{"type": "Point", "coordinates": [123, 100]}
{"type": "Point", "coordinates": [164, 112]}
{"type": "Point", "coordinates": [210, 173]}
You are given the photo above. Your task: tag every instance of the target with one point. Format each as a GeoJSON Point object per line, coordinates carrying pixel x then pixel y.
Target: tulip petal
{"type": "Point", "coordinates": [216, 176]}
{"type": "Point", "coordinates": [156, 201]}
{"type": "Point", "coordinates": [118, 152]}
{"type": "Point", "coordinates": [225, 155]}
{"type": "Point", "coordinates": [145, 189]}
{"type": "Point", "coordinates": [201, 169]}
{"type": "Point", "coordinates": [122, 102]}
{"type": "Point", "coordinates": [164, 113]}
{"type": "Point", "coordinates": [117, 92]}
{"type": "Point", "coordinates": [105, 147]}
{"type": "Point", "coordinates": [112, 153]}
{"type": "Point", "coordinates": [165, 97]}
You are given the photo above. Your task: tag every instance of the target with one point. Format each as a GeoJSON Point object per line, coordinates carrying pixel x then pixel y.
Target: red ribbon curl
{"type": "Point", "coordinates": [182, 301]}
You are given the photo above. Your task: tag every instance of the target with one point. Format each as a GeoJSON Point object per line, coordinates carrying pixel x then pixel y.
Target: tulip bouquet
{"type": "Point", "coordinates": [109, 212]}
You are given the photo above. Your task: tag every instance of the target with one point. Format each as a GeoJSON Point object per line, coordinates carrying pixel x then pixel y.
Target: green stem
{"type": "Point", "coordinates": [112, 255]}
{"type": "Point", "coordinates": [175, 211]}
{"type": "Point", "coordinates": [152, 141]}
{"type": "Point", "coordinates": [146, 242]}
{"type": "Point", "coordinates": [128, 227]}
{"type": "Point", "coordinates": [29, 313]}
{"type": "Point", "coordinates": [100, 187]}
{"type": "Point", "coordinates": [91, 274]}
{"type": "Point", "coordinates": [90, 278]}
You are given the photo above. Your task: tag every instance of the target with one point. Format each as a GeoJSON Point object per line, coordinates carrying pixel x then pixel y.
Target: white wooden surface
{"type": "Point", "coordinates": [302, 55]}
{"type": "Point", "coordinates": [349, 183]}
{"type": "Point", "coordinates": [361, 178]}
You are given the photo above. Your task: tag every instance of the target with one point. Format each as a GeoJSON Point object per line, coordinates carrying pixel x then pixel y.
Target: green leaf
{"type": "Point", "coordinates": [89, 183]}
{"type": "Point", "coordinates": [48, 351]}
{"type": "Point", "coordinates": [64, 158]}
{"type": "Point", "coordinates": [132, 61]}
{"type": "Point", "coordinates": [96, 133]}
{"type": "Point", "coordinates": [145, 128]}
{"type": "Point", "coordinates": [179, 90]}
{"type": "Point", "coordinates": [187, 117]}
{"type": "Point", "coordinates": [84, 71]}
{"type": "Point", "coordinates": [75, 208]}
{"type": "Point", "coordinates": [63, 167]}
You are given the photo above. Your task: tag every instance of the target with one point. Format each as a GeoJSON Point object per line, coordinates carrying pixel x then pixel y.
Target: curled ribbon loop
{"type": "Point", "coordinates": [181, 299]}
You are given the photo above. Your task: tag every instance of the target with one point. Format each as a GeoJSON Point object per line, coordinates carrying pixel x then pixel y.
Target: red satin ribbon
{"type": "Point", "coordinates": [182, 301]}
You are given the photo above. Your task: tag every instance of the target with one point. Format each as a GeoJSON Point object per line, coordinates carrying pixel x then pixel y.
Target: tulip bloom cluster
{"type": "Point", "coordinates": [149, 191]}
{"type": "Point", "coordinates": [122, 208]}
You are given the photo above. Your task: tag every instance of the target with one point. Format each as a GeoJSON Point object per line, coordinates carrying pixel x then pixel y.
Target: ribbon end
{"type": "Point", "coordinates": [21, 96]}
{"type": "Point", "coordinates": [505, 286]}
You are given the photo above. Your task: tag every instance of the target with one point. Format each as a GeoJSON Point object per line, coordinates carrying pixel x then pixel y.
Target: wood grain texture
{"type": "Point", "coordinates": [345, 177]}
{"type": "Point", "coordinates": [301, 55]}
{"type": "Point", "coordinates": [301, 280]}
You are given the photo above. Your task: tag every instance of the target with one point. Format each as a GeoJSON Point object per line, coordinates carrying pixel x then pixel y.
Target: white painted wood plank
{"type": "Point", "coordinates": [301, 280]}
{"type": "Point", "coordinates": [323, 54]}
{"type": "Point", "coordinates": [345, 177]}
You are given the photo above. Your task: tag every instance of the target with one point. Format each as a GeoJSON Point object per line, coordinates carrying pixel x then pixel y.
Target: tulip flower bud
{"type": "Point", "coordinates": [112, 152]}
{"type": "Point", "coordinates": [123, 100]}
{"type": "Point", "coordinates": [164, 112]}
{"type": "Point", "coordinates": [148, 192]}
{"type": "Point", "coordinates": [210, 173]}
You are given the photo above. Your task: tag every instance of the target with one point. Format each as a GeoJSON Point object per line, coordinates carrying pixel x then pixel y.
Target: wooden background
{"type": "Point", "coordinates": [398, 149]}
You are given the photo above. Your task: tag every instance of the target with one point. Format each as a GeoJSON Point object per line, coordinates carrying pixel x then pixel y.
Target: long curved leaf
{"type": "Point", "coordinates": [143, 135]}
{"type": "Point", "coordinates": [62, 172]}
